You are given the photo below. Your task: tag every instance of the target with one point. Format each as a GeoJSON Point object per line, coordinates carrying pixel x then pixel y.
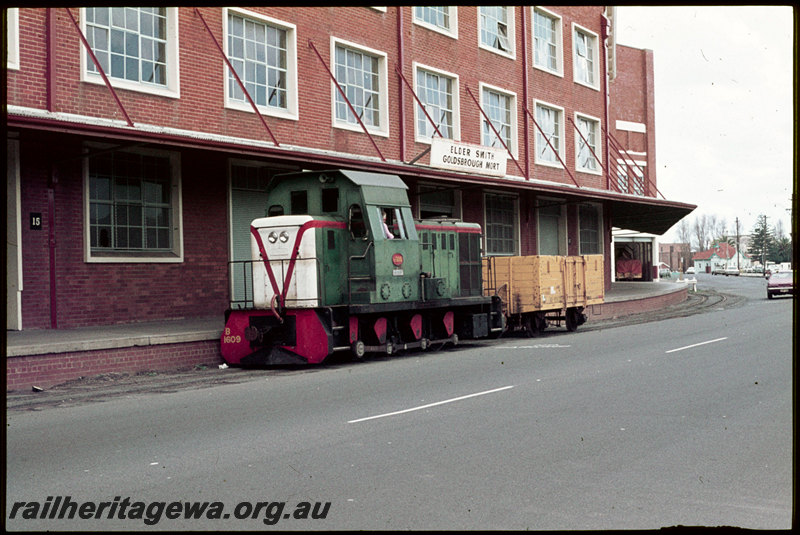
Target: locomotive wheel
{"type": "Point", "coordinates": [358, 350]}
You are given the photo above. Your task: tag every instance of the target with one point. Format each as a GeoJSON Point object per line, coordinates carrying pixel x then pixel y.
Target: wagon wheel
{"type": "Point", "coordinates": [541, 321]}
{"type": "Point", "coordinates": [572, 319]}
{"type": "Point", "coordinates": [530, 325]}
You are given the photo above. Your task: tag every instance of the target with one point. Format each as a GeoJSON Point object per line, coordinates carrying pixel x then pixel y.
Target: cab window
{"type": "Point", "coordinates": [394, 226]}
{"type": "Point", "coordinates": [358, 230]}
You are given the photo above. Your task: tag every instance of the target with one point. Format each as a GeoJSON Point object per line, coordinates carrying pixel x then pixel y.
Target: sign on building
{"type": "Point", "coordinates": [468, 158]}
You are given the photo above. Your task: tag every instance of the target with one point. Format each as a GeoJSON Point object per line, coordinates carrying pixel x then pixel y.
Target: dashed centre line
{"type": "Point", "coordinates": [699, 344]}
{"type": "Point", "coordinates": [430, 405]}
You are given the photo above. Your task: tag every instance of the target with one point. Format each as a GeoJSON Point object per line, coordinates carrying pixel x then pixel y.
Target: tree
{"type": "Point", "coordinates": [684, 232]}
{"type": "Point", "coordinates": [761, 240]}
{"type": "Point", "coordinates": [781, 250]}
{"type": "Point", "coordinates": [701, 232]}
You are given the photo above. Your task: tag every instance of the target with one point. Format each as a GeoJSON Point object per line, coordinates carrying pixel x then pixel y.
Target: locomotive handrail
{"type": "Point", "coordinates": [248, 302]}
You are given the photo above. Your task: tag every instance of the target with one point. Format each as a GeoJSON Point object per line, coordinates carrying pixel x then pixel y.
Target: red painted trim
{"type": "Point", "coordinates": [296, 248]}
{"type": "Point", "coordinates": [416, 326]}
{"type": "Point", "coordinates": [346, 100]}
{"type": "Point", "coordinates": [442, 228]}
{"type": "Point", "coordinates": [353, 329]}
{"type": "Point", "coordinates": [380, 329]}
{"type": "Point", "coordinates": [265, 259]}
{"type": "Point", "coordinates": [293, 258]}
{"type": "Point", "coordinates": [448, 322]}
{"type": "Point", "coordinates": [236, 76]}
{"type": "Point", "coordinates": [99, 67]}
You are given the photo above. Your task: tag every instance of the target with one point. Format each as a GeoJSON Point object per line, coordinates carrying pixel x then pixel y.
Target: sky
{"type": "Point", "coordinates": [724, 107]}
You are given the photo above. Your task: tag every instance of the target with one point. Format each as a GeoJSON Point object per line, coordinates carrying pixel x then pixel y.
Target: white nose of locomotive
{"type": "Point", "coordinates": [284, 261]}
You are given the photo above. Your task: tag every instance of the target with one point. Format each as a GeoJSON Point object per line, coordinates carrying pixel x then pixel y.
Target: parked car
{"type": "Point", "coordinates": [730, 270]}
{"type": "Point", "coordinates": [690, 270]}
{"type": "Point", "coordinates": [780, 283]}
{"type": "Point", "coordinates": [718, 270]}
{"type": "Point", "coordinates": [663, 270]}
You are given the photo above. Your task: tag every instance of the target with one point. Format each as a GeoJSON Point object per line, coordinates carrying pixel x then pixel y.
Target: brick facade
{"type": "Point", "coordinates": [54, 114]}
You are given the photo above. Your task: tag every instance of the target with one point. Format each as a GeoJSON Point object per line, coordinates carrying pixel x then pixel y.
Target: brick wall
{"type": "Point", "coordinates": [44, 371]}
{"type": "Point", "coordinates": [632, 98]}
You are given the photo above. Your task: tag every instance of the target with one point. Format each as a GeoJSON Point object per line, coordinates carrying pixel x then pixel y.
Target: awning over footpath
{"type": "Point", "coordinates": [632, 212]}
{"type": "Point", "coordinates": [648, 215]}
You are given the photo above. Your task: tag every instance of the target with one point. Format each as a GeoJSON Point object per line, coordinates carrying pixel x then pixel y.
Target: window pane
{"type": "Point", "coordinates": [358, 75]}
{"type": "Point", "coordinates": [259, 54]}
{"type": "Point", "coordinates": [131, 35]}
{"type": "Point", "coordinates": [500, 224]}
{"type": "Point", "coordinates": [132, 201]}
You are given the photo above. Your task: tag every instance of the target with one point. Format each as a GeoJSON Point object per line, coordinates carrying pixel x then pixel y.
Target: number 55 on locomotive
{"type": "Point", "coordinates": [340, 265]}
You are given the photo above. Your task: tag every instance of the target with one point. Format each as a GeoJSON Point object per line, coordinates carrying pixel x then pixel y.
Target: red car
{"type": "Point", "coordinates": [780, 283]}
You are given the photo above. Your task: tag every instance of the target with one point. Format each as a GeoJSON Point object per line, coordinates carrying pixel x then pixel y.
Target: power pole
{"type": "Point", "coordinates": [738, 267]}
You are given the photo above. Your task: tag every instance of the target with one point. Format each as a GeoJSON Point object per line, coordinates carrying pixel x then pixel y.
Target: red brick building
{"type": "Point", "coordinates": [134, 170]}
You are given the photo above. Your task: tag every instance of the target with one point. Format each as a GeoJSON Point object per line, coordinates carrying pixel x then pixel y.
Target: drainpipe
{"type": "Point", "coordinates": [51, 240]}
{"type": "Point", "coordinates": [525, 90]}
{"type": "Point", "coordinates": [50, 68]}
{"type": "Point", "coordinates": [608, 276]}
{"type": "Point", "coordinates": [50, 30]}
{"type": "Point", "coordinates": [401, 100]}
{"type": "Point", "coordinates": [604, 24]}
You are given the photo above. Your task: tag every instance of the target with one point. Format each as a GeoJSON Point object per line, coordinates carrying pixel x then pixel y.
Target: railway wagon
{"type": "Point", "coordinates": [339, 265]}
{"type": "Point", "coordinates": [538, 291]}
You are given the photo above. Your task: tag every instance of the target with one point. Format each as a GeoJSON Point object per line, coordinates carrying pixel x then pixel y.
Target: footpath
{"type": "Point", "coordinates": [42, 358]}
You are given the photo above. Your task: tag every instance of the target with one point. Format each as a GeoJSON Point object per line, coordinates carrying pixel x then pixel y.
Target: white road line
{"type": "Point", "coordinates": [695, 345]}
{"type": "Point", "coordinates": [429, 405]}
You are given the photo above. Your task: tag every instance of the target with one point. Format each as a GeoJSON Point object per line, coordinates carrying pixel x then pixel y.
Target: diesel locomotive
{"type": "Point", "coordinates": [339, 265]}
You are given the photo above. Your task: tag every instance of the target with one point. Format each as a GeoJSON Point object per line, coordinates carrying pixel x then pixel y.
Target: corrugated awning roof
{"type": "Point", "coordinates": [648, 215]}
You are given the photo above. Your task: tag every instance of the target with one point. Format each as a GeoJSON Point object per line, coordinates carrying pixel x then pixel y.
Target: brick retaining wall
{"type": "Point", "coordinates": [612, 310]}
{"type": "Point", "coordinates": [44, 371]}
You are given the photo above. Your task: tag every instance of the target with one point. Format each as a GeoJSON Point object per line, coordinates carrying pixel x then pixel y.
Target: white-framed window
{"type": "Point", "coordinates": [586, 57]}
{"type": "Point", "coordinates": [501, 107]}
{"type": "Point", "coordinates": [137, 48]}
{"type": "Point", "coordinates": [590, 224]}
{"type": "Point", "coordinates": [551, 121]}
{"type": "Point", "coordinates": [442, 19]}
{"type": "Point", "coordinates": [132, 202]}
{"type": "Point", "coordinates": [587, 152]}
{"type": "Point", "coordinates": [12, 38]}
{"type": "Point", "coordinates": [548, 44]}
{"type": "Point", "coordinates": [496, 29]}
{"type": "Point", "coordinates": [362, 74]}
{"type": "Point", "coordinates": [502, 220]}
{"type": "Point", "coordinates": [263, 51]}
{"type": "Point", "coordinates": [438, 92]}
